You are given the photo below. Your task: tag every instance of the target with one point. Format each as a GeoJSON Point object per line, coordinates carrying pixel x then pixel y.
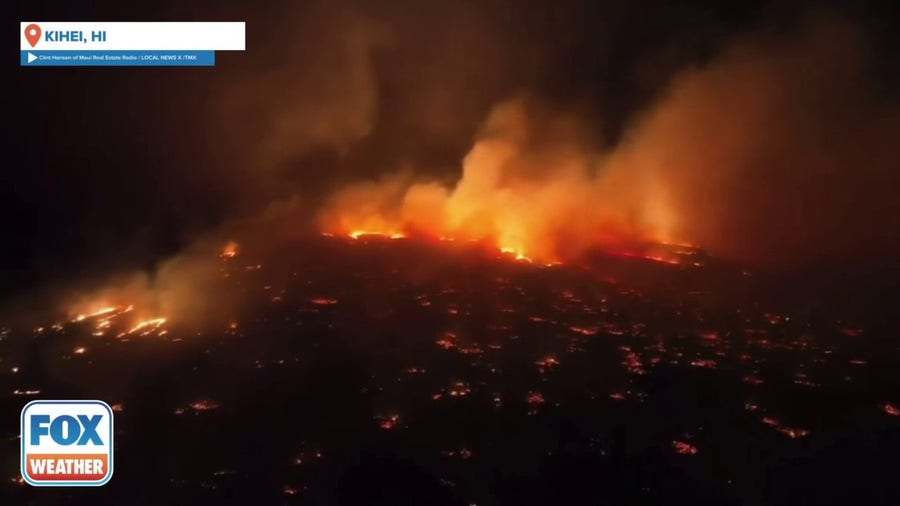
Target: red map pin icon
{"type": "Point", "coordinates": [33, 34]}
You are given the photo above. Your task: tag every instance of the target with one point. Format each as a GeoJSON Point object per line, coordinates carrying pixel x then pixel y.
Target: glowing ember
{"type": "Point", "coordinates": [586, 331]}
{"type": "Point", "coordinates": [891, 409]}
{"type": "Point", "coordinates": [704, 363]}
{"type": "Point", "coordinates": [753, 380]}
{"type": "Point", "coordinates": [447, 342]}
{"type": "Point", "coordinates": [80, 350]}
{"type": "Point", "coordinates": [356, 234]}
{"type": "Point", "coordinates": [99, 312]}
{"type": "Point", "coordinates": [709, 336]}
{"type": "Point", "coordinates": [535, 398]}
{"type": "Point", "coordinates": [204, 405]}
{"type": "Point", "coordinates": [388, 422]}
{"type": "Point", "coordinates": [322, 301]}
{"type": "Point", "coordinates": [229, 251]}
{"type": "Point", "coordinates": [463, 453]}
{"type": "Point", "coordinates": [792, 432]}
{"type": "Point", "coordinates": [460, 389]}
{"type": "Point", "coordinates": [149, 325]}
{"type": "Point", "coordinates": [547, 362]}
{"type": "Point", "coordinates": [684, 448]}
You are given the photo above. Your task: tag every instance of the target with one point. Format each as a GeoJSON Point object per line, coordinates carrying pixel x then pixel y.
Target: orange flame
{"type": "Point", "coordinates": [229, 251]}
{"type": "Point", "coordinates": [531, 186]}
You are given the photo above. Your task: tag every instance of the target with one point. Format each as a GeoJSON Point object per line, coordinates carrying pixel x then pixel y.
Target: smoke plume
{"type": "Point", "coordinates": [775, 151]}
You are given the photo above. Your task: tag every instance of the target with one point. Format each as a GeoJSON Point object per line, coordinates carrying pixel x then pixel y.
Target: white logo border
{"type": "Point", "coordinates": [23, 468]}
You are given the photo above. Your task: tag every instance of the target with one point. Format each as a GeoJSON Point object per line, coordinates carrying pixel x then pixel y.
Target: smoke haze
{"type": "Point", "coordinates": [760, 134]}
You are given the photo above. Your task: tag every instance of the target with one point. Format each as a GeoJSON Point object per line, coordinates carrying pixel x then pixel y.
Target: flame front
{"type": "Point", "coordinates": [530, 186]}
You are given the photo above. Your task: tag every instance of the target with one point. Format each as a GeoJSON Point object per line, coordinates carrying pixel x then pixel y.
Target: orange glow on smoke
{"type": "Point", "coordinates": [530, 186]}
{"type": "Point", "coordinates": [229, 251]}
{"type": "Point", "coordinates": [356, 234]}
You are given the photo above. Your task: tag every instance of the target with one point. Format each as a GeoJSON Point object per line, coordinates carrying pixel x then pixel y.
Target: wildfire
{"type": "Point", "coordinates": [229, 251]}
{"type": "Point", "coordinates": [684, 448]}
{"type": "Point", "coordinates": [547, 362]}
{"type": "Point", "coordinates": [109, 317]}
{"type": "Point", "coordinates": [535, 398]}
{"type": "Point", "coordinates": [535, 202]}
{"type": "Point", "coordinates": [356, 234]}
{"type": "Point", "coordinates": [149, 325]}
{"type": "Point", "coordinates": [103, 316]}
{"type": "Point", "coordinates": [388, 421]}
{"type": "Point", "coordinates": [204, 405]}
{"type": "Point", "coordinates": [518, 255]}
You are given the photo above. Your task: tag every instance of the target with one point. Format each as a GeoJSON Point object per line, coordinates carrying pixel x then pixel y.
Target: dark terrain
{"type": "Point", "coordinates": [382, 371]}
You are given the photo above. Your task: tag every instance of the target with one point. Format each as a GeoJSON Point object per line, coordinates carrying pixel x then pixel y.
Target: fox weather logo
{"type": "Point", "coordinates": [67, 443]}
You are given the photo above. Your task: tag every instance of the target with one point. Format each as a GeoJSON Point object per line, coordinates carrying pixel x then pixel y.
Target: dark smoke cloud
{"type": "Point", "coordinates": [779, 150]}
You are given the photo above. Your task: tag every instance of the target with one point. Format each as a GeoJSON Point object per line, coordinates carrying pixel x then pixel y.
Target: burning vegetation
{"type": "Point", "coordinates": [531, 186]}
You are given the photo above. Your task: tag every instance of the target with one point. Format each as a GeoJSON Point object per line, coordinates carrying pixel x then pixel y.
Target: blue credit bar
{"type": "Point", "coordinates": [147, 58]}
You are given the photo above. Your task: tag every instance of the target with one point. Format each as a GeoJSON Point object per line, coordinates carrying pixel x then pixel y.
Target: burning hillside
{"type": "Point", "coordinates": [470, 253]}
{"type": "Point", "coordinates": [454, 357]}
{"type": "Point", "coordinates": [530, 185]}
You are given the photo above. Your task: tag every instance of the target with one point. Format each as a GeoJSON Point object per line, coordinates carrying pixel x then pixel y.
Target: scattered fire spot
{"type": "Point", "coordinates": [229, 251]}
{"type": "Point", "coordinates": [684, 448]}
{"type": "Point", "coordinates": [793, 432]}
{"type": "Point", "coordinates": [891, 409]}
{"type": "Point", "coordinates": [704, 363]}
{"type": "Point", "coordinates": [460, 389]}
{"type": "Point", "coordinates": [463, 453]}
{"type": "Point", "coordinates": [447, 342]}
{"type": "Point", "coordinates": [388, 422]}
{"type": "Point", "coordinates": [535, 398]}
{"type": "Point", "coordinates": [547, 362]}
{"type": "Point", "coordinates": [753, 380]}
{"type": "Point", "coordinates": [150, 325]}
{"type": "Point", "coordinates": [205, 405]}
{"type": "Point", "coordinates": [586, 331]}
